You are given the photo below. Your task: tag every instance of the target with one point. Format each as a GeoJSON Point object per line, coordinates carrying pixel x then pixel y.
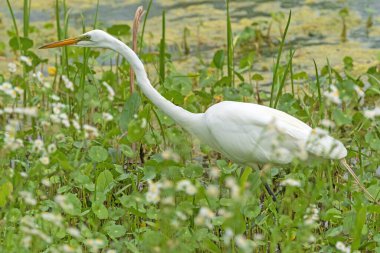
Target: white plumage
{"type": "Point", "coordinates": [243, 132]}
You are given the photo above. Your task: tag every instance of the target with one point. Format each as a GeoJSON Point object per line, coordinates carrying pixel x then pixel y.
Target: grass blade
{"type": "Point", "coordinates": [278, 59]}
{"type": "Point", "coordinates": [230, 50]}
{"type": "Point", "coordinates": [162, 51]}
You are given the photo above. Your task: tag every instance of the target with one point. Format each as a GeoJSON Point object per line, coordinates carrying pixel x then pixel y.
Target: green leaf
{"type": "Point", "coordinates": [100, 210]}
{"type": "Point", "coordinates": [131, 107]}
{"type": "Point", "coordinates": [25, 43]}
{"type": "Point", "coordinates": [71, 205]}
{"type": "Point", "coordinates": [218, 59]}
{"type": "Point", "coordinates": [340, 118]}
{"type": "Point", "coordinates": [98, 154]}
{"type": "Point", "coordinates": [116, 231]}
{"type": "Point", "coordinates": [357, 233]}
{"type": "Point", "coordinates": [104, 182]}
{"type": "Point", "coordinates": [6, 188]}
{"type": "Point", "coordinates": [119, 30]}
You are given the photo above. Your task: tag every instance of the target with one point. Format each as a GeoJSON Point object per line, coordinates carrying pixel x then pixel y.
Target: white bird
{"type": "Point", "coordinates": [245, 133]}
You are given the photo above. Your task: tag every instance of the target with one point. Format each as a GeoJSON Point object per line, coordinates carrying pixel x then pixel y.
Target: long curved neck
{"type": "Point", "coordinates": [178, 114]}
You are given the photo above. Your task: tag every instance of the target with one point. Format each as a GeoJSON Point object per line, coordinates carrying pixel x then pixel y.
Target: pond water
{"type": "Point", "coordinates": [315, 29]}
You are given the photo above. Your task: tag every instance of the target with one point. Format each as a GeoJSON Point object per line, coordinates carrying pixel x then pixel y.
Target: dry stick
{"type": "Point", "coordinates": [344, 163]}
{"type": "Point", "coordinates": [136, 23]}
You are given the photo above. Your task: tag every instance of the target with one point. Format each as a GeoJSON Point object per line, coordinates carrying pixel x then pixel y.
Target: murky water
{"type": "Point", "coordinates": [315, 29]}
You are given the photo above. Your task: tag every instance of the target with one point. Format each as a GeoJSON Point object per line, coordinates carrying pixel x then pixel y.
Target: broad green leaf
{"type": "Point", "coordinates": [116, 231]}
{"type": "Point", "coordinates": [6, 188]}
{"type": "Point", "coordinates": [104, 181]}
{"type": "Point", "coordinates": [119, 30]}
{"type": "Point", "coordinates": [341, 118]}
{"type": "Point", "coordinates": [71, 204]}
{"type": "Point", "coordinates": [98, 154]}
{"type": "Point", "coordinates": [25, 43]}
{"type": "Point", "coordinates": [131, 107]}
{"type": "Point", "coordinates": [100, 210]}
{"type": "Point", "coordinates": [218, 59]}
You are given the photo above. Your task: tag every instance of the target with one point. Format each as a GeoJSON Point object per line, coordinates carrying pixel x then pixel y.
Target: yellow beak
{"type": "Point", "coordinates": [66, 42]}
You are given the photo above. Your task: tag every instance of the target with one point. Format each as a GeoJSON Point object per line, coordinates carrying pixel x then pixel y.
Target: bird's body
{"type": "Point", "coordinates": [245, 133]}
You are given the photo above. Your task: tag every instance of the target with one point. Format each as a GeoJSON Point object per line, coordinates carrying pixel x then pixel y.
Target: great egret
{"type": "Point", "coordinates": [245, 133]}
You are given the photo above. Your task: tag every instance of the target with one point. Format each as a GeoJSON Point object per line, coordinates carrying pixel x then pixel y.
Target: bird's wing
{"type": "Point", "coordinates": [251, 133]}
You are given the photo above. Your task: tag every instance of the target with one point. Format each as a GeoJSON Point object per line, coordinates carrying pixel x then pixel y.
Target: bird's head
{"type": "Point", "coordinates": [94, 38]}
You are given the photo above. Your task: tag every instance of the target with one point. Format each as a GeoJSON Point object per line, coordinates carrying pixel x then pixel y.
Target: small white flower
{"type": "Point", "coordinates": [52, 148]}
{"type": "Point", "coordinates": [38, 145]}
{"type": "Point", "coordinates": [12, 67]}
{"type": "Point", "coordinates": [153, 194]}
{"type": "Point", "coordinates": [111, 92]}
{"type": "Point", "coordinates": [45, 160]}
{"type": "Point", "coordinates": [28, 198]}
{"type": "Point", "coordinates": [107, 116]}
{"type": "Point", "coordinates": [333, 95]}
{"type": "Point", "coordinates": [187, 186]}
{"type": "Point", "coordinates": [46, 182]}
{"type": "Point", "coordinates": [327, 123]}
{"type": "Point", "coordinates": [234, 188]}
{"type": "Point", "coordinates": [54, 97]}
{"type": "Point", "coordinates": [90, 131]}
{"type": "Point", "coordinates": [371, 114]}
{"type": "Point", "coordinates": [342, 247]}
{"type": "Point", "coordinates": [228, 235]}
{"type": "Point", "coordinates": [312, 215]}
{"type": "Point", "coordinates": [68, 84]}
{"type": "Point", "coordinates": [39, 76]}
{"type": "Point", "coordinates": [26, 60]}
{"type": "Point", "coordinates": [205, 217]}
{"type": "Point", "coordinates": [213, 191]}
{"type": "Point", "coordinates": [74, 232]}
{"type": "Point", "coordinates": [56, 219]}
{"type": "Point", "coordinates": [291, 182]}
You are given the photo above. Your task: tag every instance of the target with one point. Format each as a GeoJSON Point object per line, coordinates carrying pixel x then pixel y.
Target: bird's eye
{"type": "Point", "coordinates": [87, 37]}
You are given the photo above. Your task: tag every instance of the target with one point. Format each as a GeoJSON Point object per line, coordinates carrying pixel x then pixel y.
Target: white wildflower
{"type": "Point", "coordinates": [213, 191]}
{"type": "Point", "coordinates": [244, 244]}
{"type": "Point", "coordinates": [75, 124]}
{"type": "Point", "coordinates": [28, 198]}
{"type": "Point", "coordinates": [371, 114]}
{"type": "Point", "coordinates": [68, 84]}
{"type": "Point", "coordinates": [143, 123]}
{"type": "Point", "coordinates": [19, 90]}
{"type": "Point", "coordinates": [111, 92]}
{"type": "Point", "coordinates": [12, 67]}
{"type": "Point", "coordinates": [187, 186]}
{"type": "Point", "coordinates": [291, 182]}
{"type": "Point", "coordinates": [45, 160]}
{"type": "Point", "coordinates": [333, 95]}
{"type": "Point", "coordinates": [359, 91]}
{"type": "Point", "coordinates": [38, 145]}
{"type": "Point", "coordinates": [54, 97]}
{"type": "Point", "coordinates": [312, 215]}
{"type": "Point", "coordinates": [56, 219]}
{"type": "Point", "coordinates": [62, 201]}
{"type": "Point", "coordinates": [111, 251]}
{"type": "Point", "coordinates": [107, 116]}
{"type": "Point", "coordinates": [74, 232]}
{"type": "Point", "coordinates": [153, 194]}
{"type": "Point", "coordinates": [26, 60]}
{"type": "Point", "coordinates": [46, 182]}
{"type": "Point", "coordinates": [327, 123]}
{"type": "Point", "coordinates": [228, 235]}
{"type": "Point", "coordinates": [26, 241]}
{"type": "Point", "coordinates": [7, 88]}
{"type": "Point", "coordinates": [214, 173]}
{"type": "Point", "coordinates": [39, 76]}
{"type": "Point", "coordinates": [234, 188]}
{"type": "Point", "coordinates": [181, 215]}
{"type": "Point", "coordinates": [342, 247]}
{"type": "Point", "coordinates": [94, 244]}
{"type": "Point", "coordinates": [90, 131]}
{"type": "Point", "coordinates": [52, 148]}
{"type": "Point", "coordinates": [68, 249]}
{"type": "Point", "coordinates": [23, 174]}
{"type": "Point", "coordinates": [205, 217]}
